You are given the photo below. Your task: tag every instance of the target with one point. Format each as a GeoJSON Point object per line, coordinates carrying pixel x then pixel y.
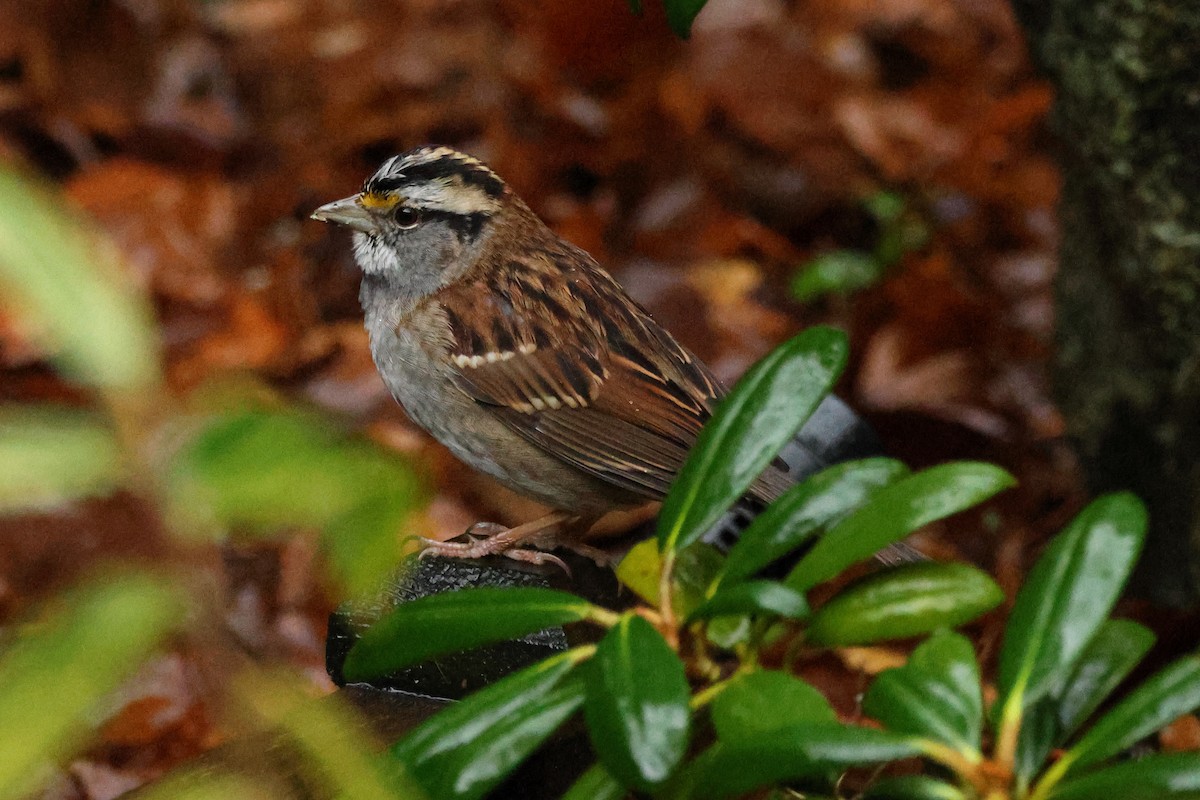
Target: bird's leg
{"type": "Point", "coordinates": [498, 540]}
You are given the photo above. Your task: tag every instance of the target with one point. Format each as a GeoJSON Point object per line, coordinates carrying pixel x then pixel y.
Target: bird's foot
{"type": "Point", "coordinates": [490, 538]}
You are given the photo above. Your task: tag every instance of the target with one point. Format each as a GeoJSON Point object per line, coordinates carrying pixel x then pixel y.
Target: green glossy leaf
{"type": "Point", "coordinates": [1174, 776]}
{"type": "Point", "coordinates": [764, 410]}
{"type": "Point", "coordinates": [465, 750]}
{"type": "Point", "coordinates": [1109, 657]}
{"type": "Point", "coordinates": [637, 704]}
{"type": "Point", "coordinates": [68, 286]}
{"type": "Point", "coordinates": [55, 673]}
{"type": "Point", "coordinates": [754, 597]}
{"type": "Point", "coordinates": [913, 787]}
{"type": "Point", "coordinates": [896, 511]}
{"type": "Point", "coordinates": [596, 784]}
{"type": "Point", "coordinates": [806, 510]}
{"type": "Point", "coordinates": [681, 13]}
{"type": "Point", "coordinates": [904, 601]}
{"type": "Point", "coordinates": [765, 700]}
{"type": "Point", "coordinates": [458, 620]}
{"type": "Point", "coordinates": [786, 754]}
{"type": "Point", "coordinates": [837, 272]}
{"type": "Point", "coordinates": [1068, 595]}
{"type": "Point", "coordinates": [937, 694]}
{"type": "Point", "coordinates": [63, 454]}
{"type": "Point", "coordinates": [1165, 696]}
{"type": "Point", "coordinates": [1035, 740]}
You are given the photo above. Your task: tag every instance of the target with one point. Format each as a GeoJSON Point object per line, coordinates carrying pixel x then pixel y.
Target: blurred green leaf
{"type": "Point", "coordinates": [764, 410]}
{"type": "Point", "coordinates": [206, 785]}
{"type": "Point", "coordinates": [273, 469]}
{"type": "Point", "coordinates": [1109, 657]}
{"type": "Point", "coordinates": [807, 509]}
{"type": "Point", "coordinates": [886, 207]}
{"type": "Point", "coordinates": [637, 704]}
{"type": "Point", "coordinates": [1068, 595]}
{"type": "Point", "coordinates": [764, 700]}
{"type": "Point", "coordinates": [754, 597]}
{"type": "Point", "coordinates": [896, 511]}
{"type": "Point", "coordinates": [330, 737]}
{"type": "Point", "coordinates": [62, 454]}
{"type": "Point", "coordinates": [56, 673]}
{"type": "Point", "coordinates": [465, 750]}
{"type": "Point", "coordinates": [459, 620]}
{"type": "Point", "coordinates": [836, 272]}
{"type": "Point", "coordinates": [681, 13]}
{"type": "Point", "coordinates": [786, 754]}
{"type": "Point", "coordinates": [67, 283]}
{"type": "Point", "coordinates": [937, 694]}
{"type": "Point", "coordinates": [1161, 699]}
{"type": "Point", "coordinates": [1171, 776]}
{"type": "Point", "coordinates": [270, 469]}
{"type": "Point", "coordinates": [904, 601]}
{"type": "Point", "coordinates": [596, 784]}
{"type": "Point", "coordinates": [913, 787]}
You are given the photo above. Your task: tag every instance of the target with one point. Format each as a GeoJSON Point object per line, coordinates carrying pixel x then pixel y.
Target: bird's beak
{"type": "Point", "coordinates": [349, 212]}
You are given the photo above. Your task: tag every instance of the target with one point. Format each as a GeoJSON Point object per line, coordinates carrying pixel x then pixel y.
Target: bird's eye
{"type": "Point", "coordinates": [407, 217]}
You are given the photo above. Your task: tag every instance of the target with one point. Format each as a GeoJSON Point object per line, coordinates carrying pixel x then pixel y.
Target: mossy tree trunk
{"type": "Point", "coordinates": [1127, 118]}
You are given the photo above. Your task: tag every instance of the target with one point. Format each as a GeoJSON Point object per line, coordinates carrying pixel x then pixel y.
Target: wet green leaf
{"type": "Point", "coordinates": [1109, 657]}
{"type": "Point", "coordinates": [1173, 776]}
{"type": "Point", "coordinates": [1068, 595]}
{"type": "Point", "coordinates": [754, 597]}
{"type": "Point", "coordinates": [785, 754]}
{"type": "Point", "coordinates": [896, 511]}
{"type": "Point", "coordinates": [904, 601]}
{"type": "Point", "coordinates": [1164, 697]}
{"type": "Point", "coordinates": [765, 700]}
{"type": "Point", "coordinates": [637, 704]}
{"type": "Point", "coordinates": [806, 510]}
{"type": "Point", "coordinates": [56, 673]}
{"type": "Point", "coordinates": [936, 695]}
{"type": "Point", "coordinates": [764, 410]}
{"type": "Point", "coordinates": [459, 620]}
{"type": "Point", "coordinates": [464, 751]}
{"type": "Point", "coordinates": [63, 454]}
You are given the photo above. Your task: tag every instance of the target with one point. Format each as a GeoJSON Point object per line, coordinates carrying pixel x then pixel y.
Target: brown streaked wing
{"type": "Point", "coordinates": [608, 391]}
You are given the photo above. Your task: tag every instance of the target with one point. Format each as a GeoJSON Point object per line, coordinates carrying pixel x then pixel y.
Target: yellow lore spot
{"type": "Point", "coordinates": [379, 201]}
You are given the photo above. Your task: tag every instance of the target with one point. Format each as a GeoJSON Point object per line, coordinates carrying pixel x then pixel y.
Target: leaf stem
{"type": "Point", "coordinates": [666, 598]}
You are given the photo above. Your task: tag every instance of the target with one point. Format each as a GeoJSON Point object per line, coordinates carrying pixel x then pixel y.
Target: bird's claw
{"type": "Point", "coordinates": [481, 545]}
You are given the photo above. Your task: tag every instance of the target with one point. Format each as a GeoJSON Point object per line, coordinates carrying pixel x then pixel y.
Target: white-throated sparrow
{"type": "Point", "coordinates": [517, 351]}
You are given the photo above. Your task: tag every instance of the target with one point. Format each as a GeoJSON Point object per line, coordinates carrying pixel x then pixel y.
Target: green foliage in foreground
{"type": "Point", "coordinates": [679, 703]}
{"type": "Point", "coordinates": [214, 469]}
